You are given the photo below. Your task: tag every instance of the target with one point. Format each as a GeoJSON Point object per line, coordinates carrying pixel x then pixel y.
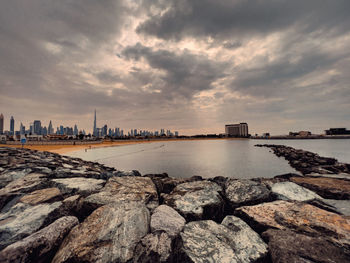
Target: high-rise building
{"type": "Point", "coordinates": [22, 129]}
{"type": "Point", "coordinates": [1, 123]}
{"type": "Point", "coordinates": [37, 127]}
{"type": "Point", "coordinates": [12, 126]}
{"type": "Point", "coordinates": [50, 129]}
{"type": "Point", "coordinates": [75, 132]}
{"type": "Point", "coordinates": [94, 132]}
{"type": "Point", "coordinates": [236, 130]}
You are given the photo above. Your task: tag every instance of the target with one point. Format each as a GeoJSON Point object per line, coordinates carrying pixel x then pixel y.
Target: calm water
{"type": "Point", "coordinates": [232, 158]}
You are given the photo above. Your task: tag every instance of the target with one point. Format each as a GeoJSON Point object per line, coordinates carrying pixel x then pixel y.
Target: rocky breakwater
{"type": "Point", "coordinates": [60, 209]}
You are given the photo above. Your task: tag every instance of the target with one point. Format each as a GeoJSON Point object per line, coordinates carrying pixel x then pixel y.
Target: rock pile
{"type": "Point", "coordinates": [60, 209]}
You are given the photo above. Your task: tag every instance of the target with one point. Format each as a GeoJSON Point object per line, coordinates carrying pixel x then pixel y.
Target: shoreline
{"type": "Point", "coordinates": [64, 148]}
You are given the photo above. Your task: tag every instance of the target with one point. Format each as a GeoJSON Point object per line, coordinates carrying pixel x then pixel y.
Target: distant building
{"type": "Point", "coordinates": [337, 131]}
{"type": "Point", "coordinates": [300, 133]}
{"type": "Point", "coordinates": [236, 130]}
{"type": "Point", "coordinates": [12, 126]}
{"type": "Point", "coordinates": [94, 132]}
{"type": "Point", "coordinates": [50, 129]}
{"type": "Point", "coordinates": [37, 127]}
{"type": "Point", "coordinates": [1, 124]}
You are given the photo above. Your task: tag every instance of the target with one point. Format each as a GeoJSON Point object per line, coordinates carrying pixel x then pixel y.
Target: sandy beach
{"type": "Point", "coordinates": [64, 148]}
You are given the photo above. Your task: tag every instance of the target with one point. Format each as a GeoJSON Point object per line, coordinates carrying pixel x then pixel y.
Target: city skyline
{"type": "Point", "coordinates": [186, 65]}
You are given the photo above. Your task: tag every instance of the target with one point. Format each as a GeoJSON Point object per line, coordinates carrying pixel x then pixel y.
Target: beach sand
{"type": "Point", "coordinates": [63, 148]}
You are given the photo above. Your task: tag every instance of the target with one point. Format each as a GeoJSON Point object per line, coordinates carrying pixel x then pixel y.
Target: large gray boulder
{"type": "Point", "coordinates": [245, 192]}
{"type": "Point", "coordinates": [109, 234]}
{"type": "Point", "coordinates": [197, 200]}
{"type": "Point", "coordinates": [165, 218]}
{"type": "Point", "coordinates": [292, 191]}
{"type": "Point", "coordinates": [8, 177]}
{"type": "Point", "coordinates": [22, 220]}
{"type": "Point", "coordinates": [127, 188]}
{"type": "Point", "coordinates": [232, 241]}
{"type": "Point", "coordinates": [38, 247]}
{"type": "Point", "coordinates": [79, 185]}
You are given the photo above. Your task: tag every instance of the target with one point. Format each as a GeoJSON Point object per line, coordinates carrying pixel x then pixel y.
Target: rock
{"type": "Point", "coordinates": [8, 177]}
{"type": "Point", "coordinates": [301, 217]}
{"type": "Point", "coordinates": [22, 220]}
{"type": "Point", "coordinates": [41, 196]}
{"type": "Point", "coordinates": [340, 206]}
{"type": "Point", "coordinates": [197, 200]}
{"type": "Point", "coordinates": [207, 241]}
{"type": "Point", "coordinates": [109, 234]}
{"type": "Point", "coordinates": [79, 185]}
{"type": "Point", "coordinates": [126, 173]}
{"type": "Point", "coordinates": [38, 247]}
{"type": "Point", "coordinates": [326, 187]}
{"type": "Point", "coordinates": [292, 191]}
{"type": "Point", "coordinates": [336, 176]}
{"type": "Point", "coordinates": [167, 219]}
{"type": "Point", "coordinates": [155, 247]}
{"type": "Point", "coordinates": [245, 192]}
{"type": "Point", "coordinates": [127, 188]}
{"type": "Point", "coordinates": [290, 247]}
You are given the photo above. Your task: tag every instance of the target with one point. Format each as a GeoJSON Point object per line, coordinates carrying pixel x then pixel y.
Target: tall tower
{"type": "Point", "coordinates": [1, 123]}
{"type": "Point", "coordinates": [50, 129]}
{"type": "Point", "coordinates": [12, 126]}
{"type": "Point", "coordinates": [95, 129]}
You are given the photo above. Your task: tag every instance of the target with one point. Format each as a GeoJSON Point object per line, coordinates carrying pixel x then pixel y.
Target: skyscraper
{"type": "Point", "coordinates": [37, 127]}
{"type": "Point", "coordinates": [75, 131]}
{"type": "Point", "coordinates": [94, 132]}
{"type": "Point", "coordinates": [1, 123]}
{"type": "Point", "coordinates": [50, 129]}
{"type": "Point", "coordinates": [22, 129]}
{"type": "Point", "coordinates": [12, 126]}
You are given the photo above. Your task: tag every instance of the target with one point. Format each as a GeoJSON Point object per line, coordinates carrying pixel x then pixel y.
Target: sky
{"type": "Point", "coordinates": [191, 66]}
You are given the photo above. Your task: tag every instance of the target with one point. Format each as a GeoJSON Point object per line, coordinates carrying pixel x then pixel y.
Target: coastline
{"type": "Point", "coordinates": [64, 148]}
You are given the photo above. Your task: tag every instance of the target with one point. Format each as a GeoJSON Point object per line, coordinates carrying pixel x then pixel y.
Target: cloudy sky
{"type": "Point", "coordinates": [185, 65]}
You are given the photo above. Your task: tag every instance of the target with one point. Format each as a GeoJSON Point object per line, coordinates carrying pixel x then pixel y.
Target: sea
{"type": "Point", "coordinates": [237, 158]}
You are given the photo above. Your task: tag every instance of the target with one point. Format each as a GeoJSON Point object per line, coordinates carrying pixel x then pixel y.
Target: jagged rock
{"type": "Point", "coordinates": [167, 219]}
{"type": "Point", "coordinates": [127, 188]}
{"type": "Point", "coordinates": [41, 196]}
{"type": "Point", "coordinates": [197, 200]}
{"type": "Point", "coordinates": [289, 247]}
{"type": "Point", "coordinates": [154, 247]}
{"type": "Point", "coordinates": [339, 206]}
{"type": "Point", "coordinates": [109, 234]}
{"type": "Point", "coordinates": [126, 173]}
{"type": "Point", "coordinates": [301, 217]}
{"type": "Point", "coordinates": [292, 191]}
{"type": "Point", "coordinates": [23, 219]}
{"type": "Point", "coordinates": [38, 247]}
{"type": "Point", "coordinates": [79, 185]}
{"type": "Point", "coordinates": [8, 177]}
{"type": "Point", "coordinates": [326, 187]}
{"type": "Point", "coordinates": [25, 184]}
{"type": "Point", "coordinates": [207, 241]}
{"type": "Point", "coordinates": [245, 192]}
{"type": "Point", "coordinates": [336, 176]}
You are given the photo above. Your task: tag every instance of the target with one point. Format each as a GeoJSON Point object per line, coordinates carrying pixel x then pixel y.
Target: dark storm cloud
{"type": "Point", "coordinates": [226, 19]}
{"type": "Point", "coordinates": [184, 73]}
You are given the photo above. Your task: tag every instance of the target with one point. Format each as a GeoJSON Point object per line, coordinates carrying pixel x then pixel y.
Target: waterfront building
{"type": "Point", "coordinates": [22, 129]}
{"type": "Point", "coordinates": [176, 133]}
{"type": "Point", "coordinates": [236, 130]}
{"type": "Point", "coordinates": [37, 127]}
{"type": "Point", "coordinates": [337, 131]}
{"type": "Point", "coordinates": [94, 132]}
{"type": "Point", "coordinates": [12, 126]}
{"type": "Point", "coordinates": [50, 129]}
{"type": "Point", "coordinates": [1, 124]}
{"type": "Point", "coordinates": [75, 132]}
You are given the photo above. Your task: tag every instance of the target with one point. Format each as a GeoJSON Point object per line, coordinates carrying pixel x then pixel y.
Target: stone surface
{"type": "Point", "coordinates": [207, 241]}
{"type": "Point", "coordinates": [326, 187]}
{"type": "Point", "coordinates": [128, 188]}
{"type": "Point", "coordinates": [245, 192]}
{"type": "Point", "coordinates": [290, 247]}
{"type": "Point", "coordinates": [336, 176]}
{"type": "Point", "coordinates": [339, 206]}
{"type": "Point", "coordinates": [8, 177]}
{"type": "Point", "coordinates": [154, 247]}
{"type": "Point", "coordinates": [79, 185]}
{"type": "Point", "coordinates": [292, 191]}
{"type": "Point", "coordinates": [301, 217]}
{"type": "Point", "coordinates": [39, 246]}
{"type": "Point", "coordinates": [22, 220]}
{"type": "Point", "coordinates": [197, 200]}
{"type": "Point", "coordinates": [109, 234]}
{"type": "Point", "coordinates": [167, 219]}
{"type": "Point", "coordinates": [41, 196]}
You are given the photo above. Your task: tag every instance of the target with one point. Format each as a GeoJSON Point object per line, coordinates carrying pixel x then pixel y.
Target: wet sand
{"type": "Point", "coordinates": [64, 148]}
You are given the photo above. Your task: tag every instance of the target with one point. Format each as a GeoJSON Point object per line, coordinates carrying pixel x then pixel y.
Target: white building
{"type": "Point", "coordinates": [236, 130]}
